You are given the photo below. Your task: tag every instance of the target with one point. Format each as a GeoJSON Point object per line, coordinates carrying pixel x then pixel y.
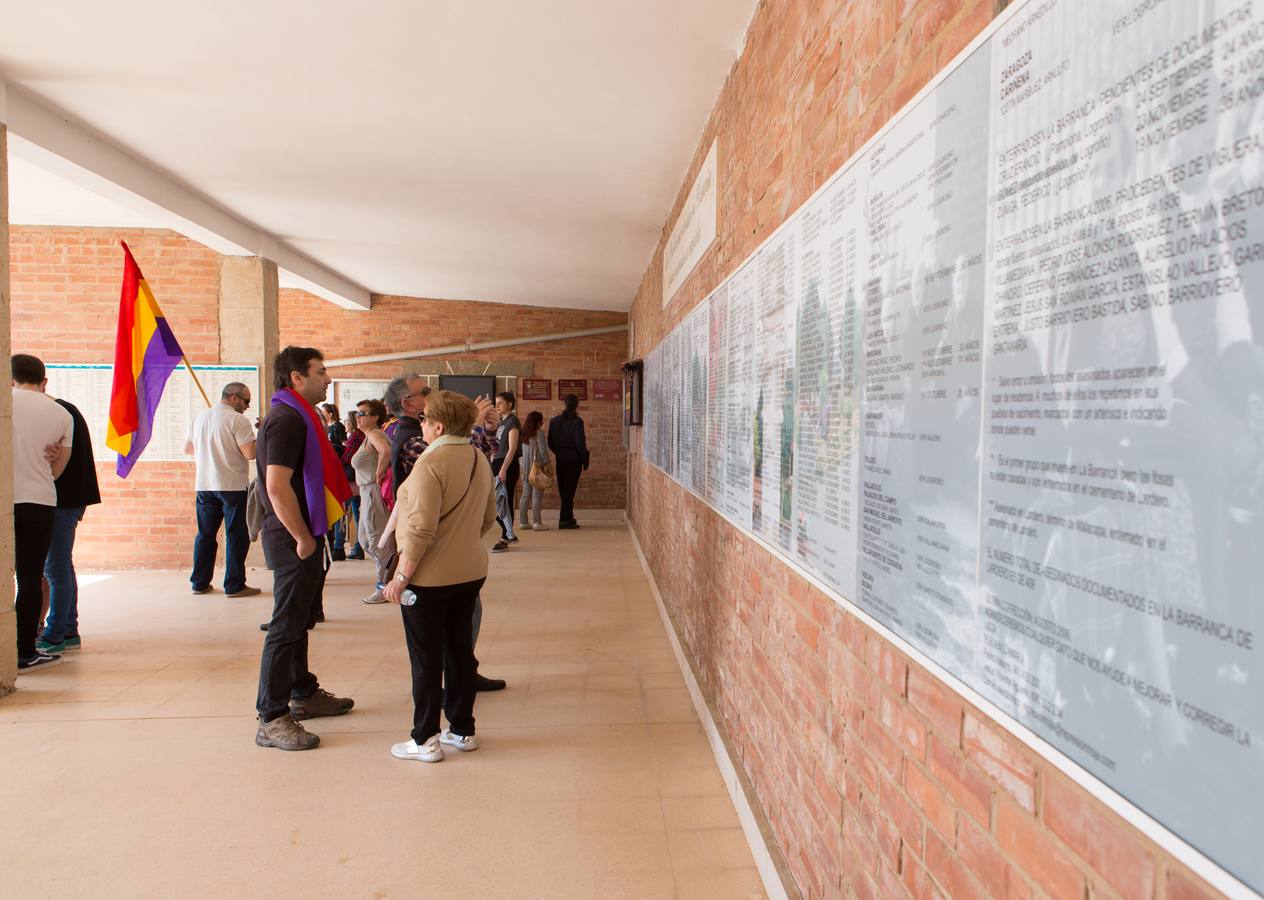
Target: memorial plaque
{"type": "Point", "coordinates": [576, 386]}
{"type": "Point", "coordinates": [536, 388]}
{"type": "Point", "coordinates": [1000, 382]}
{"type": "Point", "coordinates": [607, 389]}
{"type": "Point", "coordinates": [88, 387]}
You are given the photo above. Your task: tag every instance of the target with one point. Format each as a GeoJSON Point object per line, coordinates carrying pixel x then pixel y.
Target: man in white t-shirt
{"type": "Point", "coordinates": [222, 443]}
{"type": "Point", "coordinates": [43, 433]}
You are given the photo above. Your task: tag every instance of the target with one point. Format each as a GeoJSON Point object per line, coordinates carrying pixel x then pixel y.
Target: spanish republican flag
{"type": "Point", "coordinates": [145, 355]}
{"type": "Point", "coordinates": [325, 485]}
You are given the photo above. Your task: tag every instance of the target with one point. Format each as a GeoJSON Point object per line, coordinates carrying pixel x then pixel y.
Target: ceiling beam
{"type": "Point", "coordinates": [50, 139]}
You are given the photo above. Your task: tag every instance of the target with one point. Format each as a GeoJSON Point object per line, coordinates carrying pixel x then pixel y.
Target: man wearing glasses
{"type": "Point", "coordinates": [405, 399]}
{"type": "Point", "coordinates": [222, 443]}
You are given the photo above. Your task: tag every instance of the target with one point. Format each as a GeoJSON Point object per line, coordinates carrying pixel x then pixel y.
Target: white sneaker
{"type": "Point", "coordinates": [460, 742]}
{"type": "Point", "coordinates": [539, 526]}
{"type": "Point", "coordinates": [375, 597]}
{"type": "Point", "coordinates": [430, 751]}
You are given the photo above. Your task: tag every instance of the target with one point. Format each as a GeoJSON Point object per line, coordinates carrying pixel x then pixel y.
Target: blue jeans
{"type": "Point", "coordinates": [59, 569]}
{"type": "Point", "coordinates": [353, 510]}
{"type": "Point", "coordinates": [214, 507]}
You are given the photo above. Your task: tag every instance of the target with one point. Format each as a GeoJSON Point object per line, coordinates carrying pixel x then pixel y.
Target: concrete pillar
{"type": "Point", "coordinates": [249, 325]}
{"type": "Point", "coordinates": [8, 619]}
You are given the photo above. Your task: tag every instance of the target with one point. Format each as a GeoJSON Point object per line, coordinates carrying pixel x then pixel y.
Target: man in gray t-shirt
{"type": "Point", "coordinates": [222, 444]}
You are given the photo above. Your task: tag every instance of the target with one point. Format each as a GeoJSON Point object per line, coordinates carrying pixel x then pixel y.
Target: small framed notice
{"type": "Point", "coordinates": [576, 386]}
{"type": "Point", "coordinates": [633, 373]}
{"type": "Point", "coordinates": [536, 389]}
{"type": "Point", "coordinates": [607, 388]}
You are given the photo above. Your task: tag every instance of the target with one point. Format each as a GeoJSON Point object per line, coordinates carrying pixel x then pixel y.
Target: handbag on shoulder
{"type": "Point", "coordinates": [540, 477]}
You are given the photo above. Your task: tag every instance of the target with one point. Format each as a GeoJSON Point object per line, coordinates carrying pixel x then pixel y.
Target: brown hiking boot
{"type": "Point", "coordinates": [321, 703]}
{"type": "Point", "coordinates": [286, 734]}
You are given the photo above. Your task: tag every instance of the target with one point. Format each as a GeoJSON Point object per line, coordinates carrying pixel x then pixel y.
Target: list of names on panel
{"type": "Point", "coordinates": [717, 311]}
{"type": "Point", "coordinates": [1001, 384]}
{"type": "Point", "coordinates": [827, 409]}
{"type": "Point", "coordinates": [692, 459]}
{"type": "Point", "coordinates": [775, 303]}
{"type": "Point", "coordinates": [739, 437]}
{"type": "Point", "coordinates": [89, 388]}
{"type": "Point", "coordinates": [923, 283]}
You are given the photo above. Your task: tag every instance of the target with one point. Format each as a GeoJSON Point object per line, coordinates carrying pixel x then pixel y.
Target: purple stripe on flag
{"type": "Point", "coordinates": [162, 355]}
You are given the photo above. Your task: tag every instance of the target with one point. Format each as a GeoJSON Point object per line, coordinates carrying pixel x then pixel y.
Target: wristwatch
{"type": "Point", "coordinates": [401, 578]}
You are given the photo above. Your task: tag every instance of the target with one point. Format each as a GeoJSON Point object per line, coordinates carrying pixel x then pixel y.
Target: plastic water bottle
{"type": "Point", "coordinates": [407, 598]}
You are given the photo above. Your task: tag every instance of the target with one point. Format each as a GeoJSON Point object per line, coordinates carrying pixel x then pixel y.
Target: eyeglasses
{"type": "Point", "coordinates": [245, 400]}
{"type": "Point", "coordinates": [359, 413]}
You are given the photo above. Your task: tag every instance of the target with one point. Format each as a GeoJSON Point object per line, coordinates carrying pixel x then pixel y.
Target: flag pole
{"type": "Point", "coordinates": [193, 375]}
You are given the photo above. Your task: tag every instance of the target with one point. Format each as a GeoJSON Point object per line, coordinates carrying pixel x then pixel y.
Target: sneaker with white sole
{"type": "Point", "coordinates": [463, 742]}
{"type": "Point", "coordinates": [38, 661]}
{"type": "Point", "coordinates": [375, 597]}
{"type": "Point", "coordinates": [430, 751]}
{"type": "Point", "coordinates": [539, 526]}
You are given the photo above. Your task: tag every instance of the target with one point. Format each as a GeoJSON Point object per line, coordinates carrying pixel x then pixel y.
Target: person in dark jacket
{"type": "Point", "coordinates": [405, 399]}
{"type": "Point", "coordinates": [354, 438]}
{"type": "Point", "coordinates": [566, 440]}
{"type": "Point", "coordinates": [338, 438]}
{"type": "Point", "coordinates": [76, 490]}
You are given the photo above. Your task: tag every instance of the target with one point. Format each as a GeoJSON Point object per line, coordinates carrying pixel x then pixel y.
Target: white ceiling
{"type": "Point", "coordinates": [38, 196]}
{"type": "Point", "coordinates": [509, 151]}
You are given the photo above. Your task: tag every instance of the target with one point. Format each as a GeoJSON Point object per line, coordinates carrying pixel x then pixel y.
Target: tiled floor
{"type": "Point", "coordinates": [131, 770]}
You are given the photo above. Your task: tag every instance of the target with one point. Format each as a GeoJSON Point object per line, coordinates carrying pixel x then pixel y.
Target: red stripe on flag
{"type": "Point", "coordinates": [124, 414]}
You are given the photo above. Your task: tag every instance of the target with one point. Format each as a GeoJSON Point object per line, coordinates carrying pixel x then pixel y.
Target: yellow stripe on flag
{"type": "Point", "coordinates": [333, 509]}
{"type": "Point", "coordinates": [119, 443]}
{"type": "Point", "coordinates": [146, 325]}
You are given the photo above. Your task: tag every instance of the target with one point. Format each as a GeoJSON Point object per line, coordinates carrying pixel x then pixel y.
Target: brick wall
{"type": "Point", "coordinates": [65, 293]}
{"type": "Point", "coordinates": [65, 285]}
{"type": "Point", "coordinates": [878, 780]}
{"type": "Point", "coordinates": [405, 323]}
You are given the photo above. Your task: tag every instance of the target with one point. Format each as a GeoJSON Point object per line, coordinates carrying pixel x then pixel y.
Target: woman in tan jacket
{"type": "Point", "coordinates": [444, 507]}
